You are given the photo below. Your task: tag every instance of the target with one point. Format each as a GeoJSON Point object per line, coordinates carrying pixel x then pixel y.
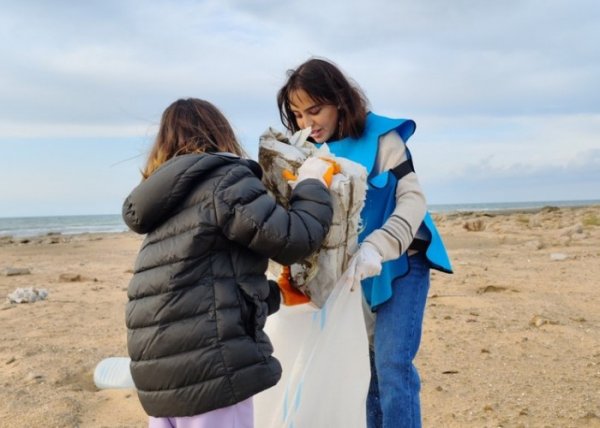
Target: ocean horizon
{"type": "Point", "coordinates": [32, 226]}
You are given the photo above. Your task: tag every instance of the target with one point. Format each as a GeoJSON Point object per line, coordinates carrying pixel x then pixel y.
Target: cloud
{"type": "Point", "coordinates": [63, 176]}
{"type": "Point", "coordinates": [508, 83]}
{"type": "Point", "coordinates": [129, 60]}
{"type": "Point", "coordinates": [114, 73]}
{"type": "Point", "coordinates": [480, 158]}
{"type": "Point", "coordinates": [446, 144]}
{"type": "Point", "coordinates": [578, 178]}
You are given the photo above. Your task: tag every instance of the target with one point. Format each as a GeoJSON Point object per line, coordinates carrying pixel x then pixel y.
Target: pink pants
{"type": "Point", "coordinates": [240, 415]}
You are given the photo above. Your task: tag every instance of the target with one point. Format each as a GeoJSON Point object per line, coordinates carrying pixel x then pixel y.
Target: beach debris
{"type": "Point", "coordinates": [52, 239]}
{"type": "Point", "coordinates": [534, 245]}
{"type": "Point", "coordinates": [27, 295]}
{"type": "Point", "coordinates": [491, 289]}
{"type": "Point", "coordinates": [6, 240]}
{"type": "Point", "coordinates": [475, 225]}
{"type": "Point", "coordinates": [34, 377]}
{"type": "Point", "coordinates": [316, 275]}
{"type": "Point", "coordinates": [70, 277]}
{"type": "Point", "coordinates": [557, 257]}
{"type": "Point", "coordinates": [11, 271]}
{"type": "Point", "coordinates": [538, 321]}
{"type": "Point", "coordinates": [572, 230]}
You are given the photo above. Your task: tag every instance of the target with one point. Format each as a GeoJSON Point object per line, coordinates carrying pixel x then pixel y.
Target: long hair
{"type": "Point", "coordinates": [187, 126]}
{"type": "Point", "coordinates": [324, 82]}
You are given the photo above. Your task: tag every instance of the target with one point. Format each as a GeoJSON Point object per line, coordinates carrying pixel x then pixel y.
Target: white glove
{"type": "Point", "coordinates": [314, 168]}
{"type": "Point", "coordinates": [365, 263]}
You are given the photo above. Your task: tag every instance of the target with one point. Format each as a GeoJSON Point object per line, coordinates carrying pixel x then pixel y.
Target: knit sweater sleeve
{"type": "Point", "coordinates": [396, 234]}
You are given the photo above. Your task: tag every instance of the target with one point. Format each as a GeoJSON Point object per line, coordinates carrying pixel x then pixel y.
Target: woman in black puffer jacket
{"type": "Point", "coordinates": [199, 297]}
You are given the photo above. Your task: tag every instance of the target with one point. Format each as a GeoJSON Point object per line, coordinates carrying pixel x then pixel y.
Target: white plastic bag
{"type": "Point", "coordinates": [324, 354]}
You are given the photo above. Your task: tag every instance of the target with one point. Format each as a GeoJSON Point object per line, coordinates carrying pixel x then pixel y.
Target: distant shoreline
{"type": "Point", "coordinates": [437, 208]}
{"type": "Point", "coordinates": [497, 207]}
{"type": "Point", "coordinates": [511, 211]}
{"type": "Point", "coordinates": [97, 231]}
{"type": "Point", "coordinates": [60, 238]}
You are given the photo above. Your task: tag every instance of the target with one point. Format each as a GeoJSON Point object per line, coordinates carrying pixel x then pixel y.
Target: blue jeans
{"type": "Point", "coordinates": [393, 399]}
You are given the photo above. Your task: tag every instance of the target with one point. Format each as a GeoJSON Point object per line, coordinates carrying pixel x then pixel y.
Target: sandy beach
{"type": "Point", "coordinates": [511, 339]}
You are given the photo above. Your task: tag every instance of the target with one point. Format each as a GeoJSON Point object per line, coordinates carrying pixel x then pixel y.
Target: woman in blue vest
{"type": "Point", "coordinates": [399, 243]}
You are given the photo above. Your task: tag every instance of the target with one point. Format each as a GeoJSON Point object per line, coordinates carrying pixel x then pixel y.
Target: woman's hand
{"type": "Point", "coordinates": [365, 263]}
{"type": "Point", "coordinates": [318, 168]}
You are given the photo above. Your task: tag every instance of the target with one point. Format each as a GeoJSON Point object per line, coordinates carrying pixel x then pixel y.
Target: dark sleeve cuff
{"type": "Point", "coordinates": [274, 298]}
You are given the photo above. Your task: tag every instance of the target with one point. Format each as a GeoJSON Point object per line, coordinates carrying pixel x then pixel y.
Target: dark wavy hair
{"type": "Point", "coordinates": [187, 126]}
{"type": "Point", "coordinates": [324, 82]}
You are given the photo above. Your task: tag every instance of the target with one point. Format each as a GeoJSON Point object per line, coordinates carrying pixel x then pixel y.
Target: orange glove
{"type": "Point", "coordinates": [333, 169]}
{"type": "Point", "coordinates": [288, 175]}
{"type": "Point", "coordinates": [290, 294]}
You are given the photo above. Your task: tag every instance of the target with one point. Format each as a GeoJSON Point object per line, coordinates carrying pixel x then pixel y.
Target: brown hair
{"type": "Point", "coordinates": [187, 126]}
{"type": "Point", "coordinates": [324, 82]}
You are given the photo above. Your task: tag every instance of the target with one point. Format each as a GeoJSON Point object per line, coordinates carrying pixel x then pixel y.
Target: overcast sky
{"type": "Point", "coordinates": [506, 95]}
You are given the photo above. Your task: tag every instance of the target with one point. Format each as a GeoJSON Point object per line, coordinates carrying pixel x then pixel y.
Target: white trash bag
{"type": "Point", "coordinates": [325, 359]}
{"type": "Point", "coordinates": [322, 345]}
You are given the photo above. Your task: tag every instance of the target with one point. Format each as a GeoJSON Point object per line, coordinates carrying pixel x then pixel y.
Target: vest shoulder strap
{"type": "Point", "coordinates": [403, 169]}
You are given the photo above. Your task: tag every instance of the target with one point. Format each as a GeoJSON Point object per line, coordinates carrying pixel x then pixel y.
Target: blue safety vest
{"type": "Point", "coordinates": [381, 202]}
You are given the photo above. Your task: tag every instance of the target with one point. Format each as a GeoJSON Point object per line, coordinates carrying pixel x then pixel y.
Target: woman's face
{"type": "Point", "coordinates": [322, 118]}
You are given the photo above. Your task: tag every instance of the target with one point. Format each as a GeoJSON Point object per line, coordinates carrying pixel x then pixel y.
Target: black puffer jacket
{"type": "Point", "coordinates": [198, 296]}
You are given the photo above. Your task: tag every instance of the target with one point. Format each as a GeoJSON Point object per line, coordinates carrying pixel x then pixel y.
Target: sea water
{"type": "Point", "coordinates": [113, 223]}
{"type": "Point", "coordinates": [66, 225]}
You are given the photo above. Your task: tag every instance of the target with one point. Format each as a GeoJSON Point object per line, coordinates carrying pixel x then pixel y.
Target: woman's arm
{"type": "Point", "coordinates": [395, 236]}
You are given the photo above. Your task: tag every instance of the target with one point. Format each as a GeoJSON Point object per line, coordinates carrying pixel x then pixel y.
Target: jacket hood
{"type": "Point", "coordinates": [155, 198]}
